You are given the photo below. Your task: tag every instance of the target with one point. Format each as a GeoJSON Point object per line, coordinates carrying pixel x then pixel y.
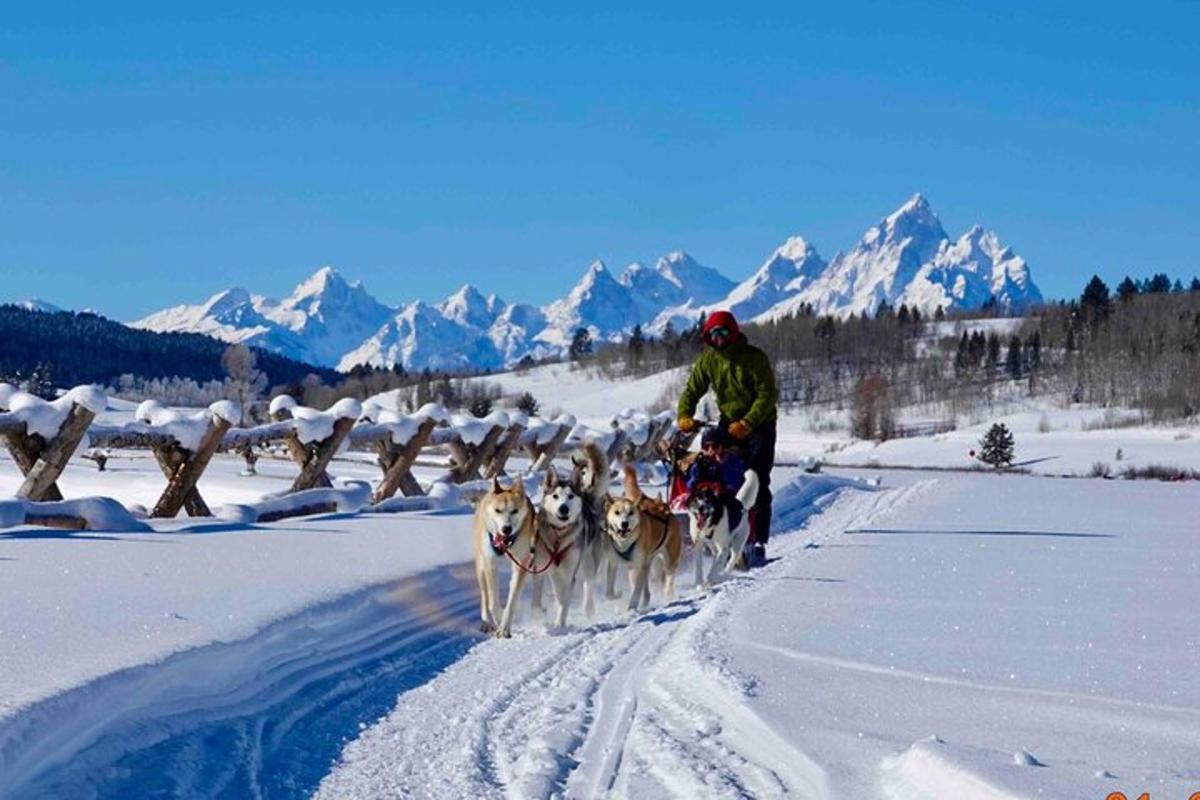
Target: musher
{"type": "Point", "coordinates": [743, 380]}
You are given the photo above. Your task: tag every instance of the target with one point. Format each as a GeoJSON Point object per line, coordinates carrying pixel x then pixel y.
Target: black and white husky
{"type": "Point", "coordinates": [567, 527]}
{"type": "Point", "coordinates": [719, 525]}
{"type": "Point", "coordinates": [566, 537]}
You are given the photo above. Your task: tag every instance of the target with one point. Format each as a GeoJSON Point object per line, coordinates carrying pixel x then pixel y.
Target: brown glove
{"type": "Point", "coordinates": [739, 429]}
{"type": "Point", "coordinates": [686, 424]}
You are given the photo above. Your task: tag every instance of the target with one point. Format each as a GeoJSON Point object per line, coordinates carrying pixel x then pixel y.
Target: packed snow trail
{"type": "Point", "coordinates": [264, 717]}
{"type": "Point", "coordinates": [631, 706]}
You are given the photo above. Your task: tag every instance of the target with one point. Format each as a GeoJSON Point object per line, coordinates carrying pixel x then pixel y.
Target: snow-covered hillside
{"type": "Point", "coordinates": [906, 258]}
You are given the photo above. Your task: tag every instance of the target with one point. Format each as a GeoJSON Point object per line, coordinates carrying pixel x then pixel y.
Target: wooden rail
{"type": "Point", "coordinates": [397, 445]}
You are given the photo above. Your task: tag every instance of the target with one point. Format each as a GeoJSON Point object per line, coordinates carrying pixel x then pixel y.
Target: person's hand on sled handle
{"type": "Point", "coordinates": [738, 429]}
{"type": "Point", "coordinates": [686, 424]}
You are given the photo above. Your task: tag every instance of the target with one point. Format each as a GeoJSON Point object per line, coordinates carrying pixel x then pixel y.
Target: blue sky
{"type": "Point", "coordinates": [154, 155]}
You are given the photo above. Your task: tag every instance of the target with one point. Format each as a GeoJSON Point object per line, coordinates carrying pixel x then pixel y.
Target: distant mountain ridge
{"type": "Point", "coordinates": [906, 258]}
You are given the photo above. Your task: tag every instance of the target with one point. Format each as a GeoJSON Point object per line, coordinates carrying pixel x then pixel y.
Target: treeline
{"type": "Point", "coordinates": [1138, 346]}
{"type": "Point", "coordinates": [68, 349]}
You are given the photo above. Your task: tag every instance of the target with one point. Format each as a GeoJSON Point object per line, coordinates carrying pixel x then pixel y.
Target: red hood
{"type": "Point", "coordinates": [721, 319]}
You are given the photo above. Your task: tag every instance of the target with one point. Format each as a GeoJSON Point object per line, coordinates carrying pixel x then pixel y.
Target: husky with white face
{"type": "Point", "coordinates": [639, 531]}
{"type": "Point", "coordinates": [720, 525]}
{"type": "Point", "coordinates": [504, 532]}
{"type": "Point", "coordinates": [566, 532]}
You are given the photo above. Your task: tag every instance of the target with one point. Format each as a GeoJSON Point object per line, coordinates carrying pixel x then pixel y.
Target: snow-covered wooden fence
{"type": "Point", "coordinates": [42, 436]}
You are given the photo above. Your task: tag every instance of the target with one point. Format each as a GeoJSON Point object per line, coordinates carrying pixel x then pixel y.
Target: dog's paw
{"type": "Point", "coordinates": [486, 627]}
{"type": "Point", "coordinates": [503, 634]}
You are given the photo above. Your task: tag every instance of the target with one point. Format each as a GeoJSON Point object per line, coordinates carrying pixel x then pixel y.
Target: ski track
{"type": "Point", "coordinates": [631, 706]}
{"type": "Point", "coordinates": [625, 705]}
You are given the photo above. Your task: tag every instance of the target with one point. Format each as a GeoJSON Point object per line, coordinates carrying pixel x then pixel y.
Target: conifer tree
{"type": "Point", "coordinates": [637, 344]}
{"type": "Point", "coordinates": [997, 446]}
{"type": "Point", "coordinates": [993, 352]}
{"type": "Point", "coordinates": [528, 404]}
{"type": "Point", "coordinates": [581, 344]}
{"type": "Point", "coordinates": [1013, 363]}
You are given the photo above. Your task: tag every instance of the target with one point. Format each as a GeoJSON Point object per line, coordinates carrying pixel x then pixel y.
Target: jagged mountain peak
{"type": "Point", "coordinates": [324, 280]}
{"type": "Point", "coordinates": [469, 307]}
{"type": "Point", "coordinates": [467, 293]}
{"type": "Point", "coordinates": [913, 220]}
{"type": "Point", "coordinates": [695, 281]}
{"type": "Point", "coordinates": [796, 248]}
{"type": "Point", "coordinates": [905, 257]}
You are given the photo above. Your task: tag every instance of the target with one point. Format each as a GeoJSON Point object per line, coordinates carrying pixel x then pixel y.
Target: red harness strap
{"type": "Point", "coordinates": [556, 555]}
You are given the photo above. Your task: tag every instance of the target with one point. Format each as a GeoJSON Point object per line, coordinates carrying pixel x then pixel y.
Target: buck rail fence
{"type": "Point", "coordinates": [42, 437]}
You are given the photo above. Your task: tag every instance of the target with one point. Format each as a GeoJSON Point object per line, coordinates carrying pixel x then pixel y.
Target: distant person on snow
{"type": "Point", "coordinates": [743, 380]}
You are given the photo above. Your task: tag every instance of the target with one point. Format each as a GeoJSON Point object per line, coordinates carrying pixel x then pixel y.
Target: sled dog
{"type": "Point", "coordinates": [720, 524]}
{"type": "Point", "coordinates": [589, 476]}
{"type": "Point", "coordinates": [566, 534]}
{"type": "Point", "coordinates": [638, 531]}
{"type": "Point", "coordinates": [505, 527]}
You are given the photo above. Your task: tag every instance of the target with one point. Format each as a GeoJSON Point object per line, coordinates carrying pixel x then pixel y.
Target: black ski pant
{"type": "Point", "coordinates": [758, 451]}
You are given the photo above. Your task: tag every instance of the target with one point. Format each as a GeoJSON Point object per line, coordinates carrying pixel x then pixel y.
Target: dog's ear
{"type": "Point", "coordinates": [551, 478]}
{"type": "Point", "coordinates": [496, 487]}
{"type": "Point", "coordinates": [606, 501]}
{"type": "Point", "coordinates": [518, 486]}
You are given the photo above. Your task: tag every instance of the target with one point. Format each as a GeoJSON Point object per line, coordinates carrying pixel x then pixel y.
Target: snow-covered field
{"type": "Point", "coordinates": [1049, 441]}
{"type": "Point", "coordinates": [942, 634]}
{"type": "Point", "coordinates": [955, 637]}
{"type": "Point", "coordinates": [1016, 619]}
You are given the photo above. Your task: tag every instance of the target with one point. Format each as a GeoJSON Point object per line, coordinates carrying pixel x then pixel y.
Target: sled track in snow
{"type": "Point", "coordinates": [265, 717]}
{"type": "Point", "coordinates": [627, 707]}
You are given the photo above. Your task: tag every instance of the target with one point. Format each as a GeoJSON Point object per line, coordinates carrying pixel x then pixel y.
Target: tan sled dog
{"type": "Point", "coordinates": [637, 531]}
{"type": "Point", "coordinates": [504, 531]}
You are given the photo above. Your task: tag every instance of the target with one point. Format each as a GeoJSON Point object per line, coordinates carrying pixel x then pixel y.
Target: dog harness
{"type": "Point", "coordinates": [661, 519]}
{"type": "Point", "coordinates": [503, 544]}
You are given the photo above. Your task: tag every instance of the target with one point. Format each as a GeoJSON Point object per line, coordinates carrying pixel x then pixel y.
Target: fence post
{"type": "Point", "coordinates": [468, 462]}
{"type": "Point", "coordinates": [312, 474]}
{"type": "Point", "coordinates": [543, 455]}
{"type": "Point", "coordinates": [618, 442]}
{"type": "Point", "coordinates": [399, 460]}
{"type": "Point", "coordinates": [181, 487]}
{"type": "Point", "coordinates": [52, 460]}
{"type": "Point", "coordinates": [504, 451]}
{"type": "Point", "coordinates": [296, 448]}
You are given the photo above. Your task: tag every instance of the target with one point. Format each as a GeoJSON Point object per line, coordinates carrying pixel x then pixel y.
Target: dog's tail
{"type": "Point", "coordinates": [596, 457]}
{"type": "Point", "coordinates": [749, 491]}
{"type": "Point", "coordinates": [632, 490]}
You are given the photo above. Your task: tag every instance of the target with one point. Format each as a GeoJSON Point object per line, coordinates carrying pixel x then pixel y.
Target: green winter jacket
{"type": "Point", "coordinates": [741, 377]}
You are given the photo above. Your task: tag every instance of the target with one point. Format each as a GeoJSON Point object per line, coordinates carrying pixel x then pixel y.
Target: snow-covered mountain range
{"type": "Point", "coordinates": [906, 258]}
